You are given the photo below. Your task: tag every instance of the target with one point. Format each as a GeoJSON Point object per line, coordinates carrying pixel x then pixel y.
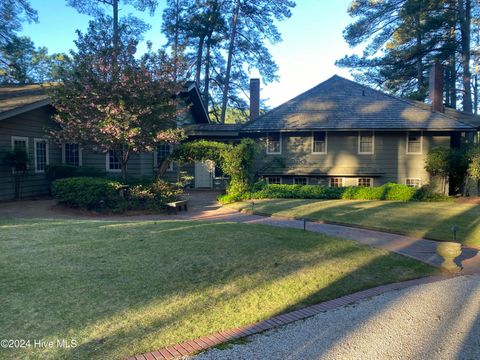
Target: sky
{"type": "Point", "coordinates": [312, 40]}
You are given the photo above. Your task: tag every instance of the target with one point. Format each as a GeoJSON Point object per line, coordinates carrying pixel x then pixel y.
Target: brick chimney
{"type": "Point", "coordinates": [435, 86]}
{"type": "Point", "coordinates": [254, 98]}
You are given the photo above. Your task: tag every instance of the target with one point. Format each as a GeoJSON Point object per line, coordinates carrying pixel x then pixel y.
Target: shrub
{"type": "Point", "coordinates": [389, 191]}
{"type": "Point", "coordinates": [399, 192]}
{"type": "Point", "coordinates": [88, 193]}
{"type": "Point", "coordinates": [427, 193]}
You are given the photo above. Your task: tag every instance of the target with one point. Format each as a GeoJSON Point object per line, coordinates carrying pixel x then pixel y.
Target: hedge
{"type": "Point", "coordinates": [88, 192]}
{"type": "Point", "coordinates": [389, 191]}
{"type": "Point", "coordinates": [101, 194]}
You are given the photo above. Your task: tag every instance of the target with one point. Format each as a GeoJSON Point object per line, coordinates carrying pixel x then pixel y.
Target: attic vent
{"type": "Point", "coordinates": [363, 92]}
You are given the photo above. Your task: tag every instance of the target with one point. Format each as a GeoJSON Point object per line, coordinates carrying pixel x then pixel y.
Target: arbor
{"type": "Point", "coordinates": [112, 100]}
{"type": "Point", "coordinates": [403, 37]}
{"type": "Point", "coordinates": [223, 40]}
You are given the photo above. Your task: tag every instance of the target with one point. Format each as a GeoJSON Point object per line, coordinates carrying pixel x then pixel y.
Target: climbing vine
{"type": "Point", "coordinates": [236, 161]}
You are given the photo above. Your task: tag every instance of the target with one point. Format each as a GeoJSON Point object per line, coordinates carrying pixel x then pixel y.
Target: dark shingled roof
{"type": "Point", "coordinates": [13, 97]}
{"type": "Point", "coordinates": [339, 103]}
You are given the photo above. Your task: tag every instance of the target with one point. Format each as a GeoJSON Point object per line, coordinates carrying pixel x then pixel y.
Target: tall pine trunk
{"type": "Point", "coordinates": [464, 14]}
{"type": "Point", "coordinates": [231, 48]}
{"type": "Point", "coordinates": [198, 75]}
{"type": "Point", "coordinates": [206, 88]}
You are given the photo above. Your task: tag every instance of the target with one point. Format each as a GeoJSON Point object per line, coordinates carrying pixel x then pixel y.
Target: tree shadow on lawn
{"type": "Point", "coordinates": [412, 218]}
{"type": "Point", "coordinates": [103, 291]}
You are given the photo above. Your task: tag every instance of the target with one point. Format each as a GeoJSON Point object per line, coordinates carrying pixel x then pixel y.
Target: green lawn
{"type": "Point", "coordinates": [123, 288]}
{"type": "Point", "coordinates": [432, 220]}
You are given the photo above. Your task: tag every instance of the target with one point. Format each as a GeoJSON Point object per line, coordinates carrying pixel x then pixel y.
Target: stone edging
{"type": "Point", "coordinates": [196, 345]}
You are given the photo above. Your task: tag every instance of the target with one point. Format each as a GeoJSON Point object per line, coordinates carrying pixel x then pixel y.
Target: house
{"type": "Point", "coordinates": [341, 133]}
{"type": "Point", "coordinates": [26, 116]}
{"type": "Point", "coordinates": [338, 133]}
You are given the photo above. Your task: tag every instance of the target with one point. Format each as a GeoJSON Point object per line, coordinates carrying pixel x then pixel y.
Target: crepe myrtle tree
{"type": "Point", "coordinates": [114, 101]}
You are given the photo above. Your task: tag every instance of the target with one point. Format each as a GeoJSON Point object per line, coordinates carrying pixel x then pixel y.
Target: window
{"type": "Point", "coordinates": [364, 182]}
{"type": "Point", "coordinates": [414, 142]}
{"type": "Point", "coordinates": [72, 154]}
{"type": "Point", "coordinates": [413, 182]}
{"type": "Point", "coordinates": [300, 180]}
{"type": "Point", "coordinates": [163, 151]}
{"type": "Point", "coordinates": [41, 155]}
{"type": "Point", "coordinates": [274, 143]}
{"type": "Point", "coordinates": [113, 163]}
{"type": "Point", "coordinates": [319, 142]}
{"type": "Point", "coordinates": [20, 143]}
{"type": "Point", "coordinates": [336, 182]}
{"type": "Point", "coordinates": [365, 142]}
{"type": "Point", "coordinates": [274, 180]}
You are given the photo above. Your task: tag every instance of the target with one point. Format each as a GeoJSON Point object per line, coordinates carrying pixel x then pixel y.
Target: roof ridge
{"type": "Point", "coordinates": [290, 100]}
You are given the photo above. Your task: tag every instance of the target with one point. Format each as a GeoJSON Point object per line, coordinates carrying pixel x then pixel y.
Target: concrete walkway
{"type": "Point", "coordinates": [204, 207]}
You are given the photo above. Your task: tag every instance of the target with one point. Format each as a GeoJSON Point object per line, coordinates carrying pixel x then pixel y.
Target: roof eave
{"type": "Point", "coordinates": [23, 109]}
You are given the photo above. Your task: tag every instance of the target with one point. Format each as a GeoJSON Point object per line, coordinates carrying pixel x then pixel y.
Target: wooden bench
{"type": "Point", "coordinates": [177, 206]}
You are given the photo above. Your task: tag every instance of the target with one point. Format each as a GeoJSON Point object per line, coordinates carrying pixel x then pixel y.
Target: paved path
{"type": "Point", "coordinates": [203, 206]}
{"type": "Point", "coordinates": [439, 320]}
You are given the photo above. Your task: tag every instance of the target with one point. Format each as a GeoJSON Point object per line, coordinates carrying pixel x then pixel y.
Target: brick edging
{"type": "Point", "coordinates": [191, 347]}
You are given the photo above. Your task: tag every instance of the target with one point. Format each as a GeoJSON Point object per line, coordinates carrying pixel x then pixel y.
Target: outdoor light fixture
{"type": "Point", "coordinates": [454, 229]}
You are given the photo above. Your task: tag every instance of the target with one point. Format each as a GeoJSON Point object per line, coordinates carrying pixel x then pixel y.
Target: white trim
{"type": "Point", "coordinates": [421, 144]}
{"type": "Point", "coordinates": [80, 150]}
{"type": "Point", "coordinates": [47, 157]}
{"type": "Point", "coordinates": [19, 138]}
{"type": "Point", "coordinates": [371, 181]}
{"type": "Point", "coordinates": [373, 144]}
{"type": "Point", "coordinates": [411, 178]}
{"type": "Point", "coordinates": [108, 164]}
{"type": "Point", "coordinates": [336, 177]}
{"type": "Point", "coordinates": [280, 140]}
{"type": "Point", "coordinates": [300, 177]}
{"type": "Point", "coordinates": [326, 143]}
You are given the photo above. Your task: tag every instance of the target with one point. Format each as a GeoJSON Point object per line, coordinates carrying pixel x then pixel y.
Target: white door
{"type": "Point", "coordinates": [204, 174]}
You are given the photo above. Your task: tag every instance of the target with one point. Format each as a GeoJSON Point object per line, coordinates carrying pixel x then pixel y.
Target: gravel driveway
{"type": "Point", "coordinates": [440, 320]}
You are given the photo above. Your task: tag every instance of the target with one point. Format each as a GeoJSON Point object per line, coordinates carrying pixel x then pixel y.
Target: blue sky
{"type": "Point", "coordinates": [312, 40]}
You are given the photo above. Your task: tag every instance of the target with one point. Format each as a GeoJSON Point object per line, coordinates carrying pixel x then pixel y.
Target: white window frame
{"type": "Point", "coordinates": [336, 177]}
{"type": "Point", "coordinates": [155, 158]}
{"type": "Point", "coordinates": [280, 141]}
{"type": "Point", "coordinates": [300, 177]}
{"type": "Point", "coordinates": [371, 181]}
{"type": "Point", "coordinates": [20, 138]}
{"type": "Point", "coordinates": [108, 164]}
{"type": "Point", "coordinates": [64, 157]}
{"type": "Point", "coordinates": [421, 144]}
{"type": "Point", "coordinates": [373, 144]}
{"type": "Point", "coordinates": [268, 181]}
{"type": "Point", "coordinates": [47, 157]}
{"type": "Point", "coordinates": [313, 143]}
{"type": "Point", "coordinates": [419, 182]}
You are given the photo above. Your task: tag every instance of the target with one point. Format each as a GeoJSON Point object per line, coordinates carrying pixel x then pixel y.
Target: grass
{"type": "Point", "coordinates": [433, 220]}
{"type": "Point", "coordinates": [123, 288]}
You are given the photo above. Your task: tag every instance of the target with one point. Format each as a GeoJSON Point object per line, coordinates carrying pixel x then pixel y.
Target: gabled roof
{"type": "Point", "coordinates": [342, 104]}
{"type": "Point", "coordinates": [17, 99]}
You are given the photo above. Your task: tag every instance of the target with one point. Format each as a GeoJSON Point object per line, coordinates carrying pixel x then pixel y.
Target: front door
{"type": "Point", "coordinates": [204, 174]}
